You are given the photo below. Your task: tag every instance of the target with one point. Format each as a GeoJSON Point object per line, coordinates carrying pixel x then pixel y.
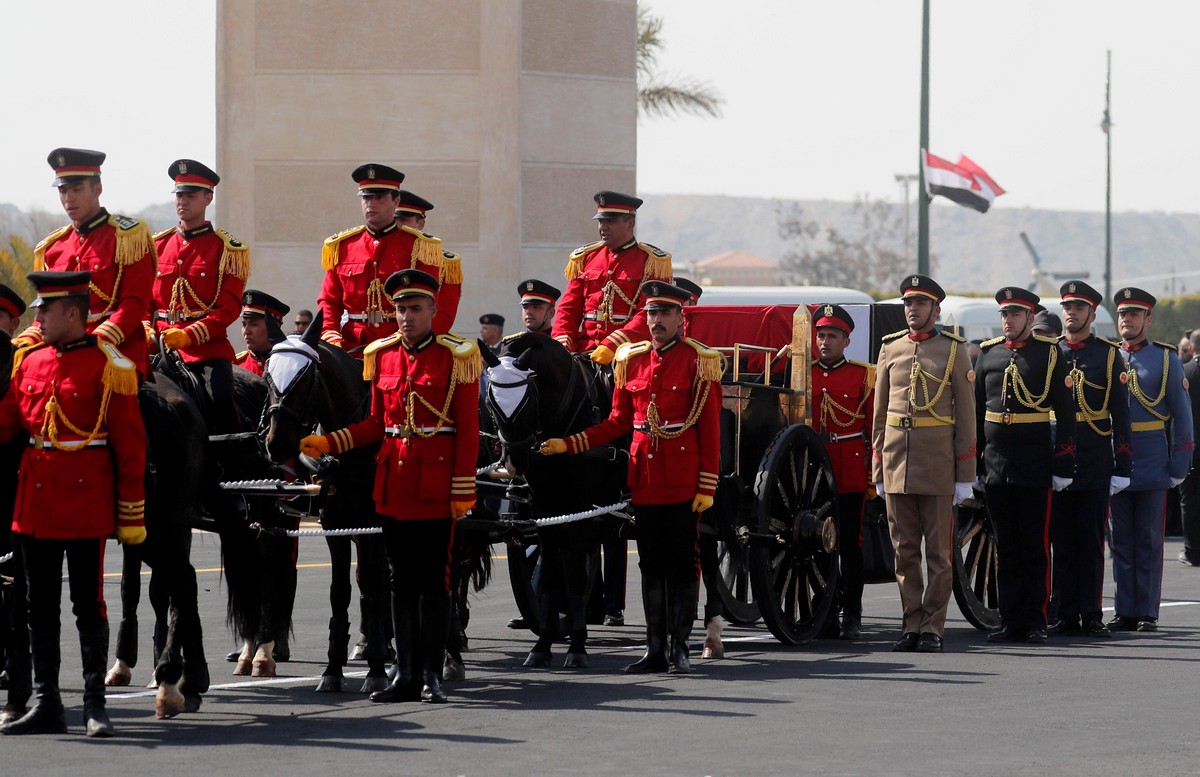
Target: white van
{"type": "Point", "coordinates": [978, 318]}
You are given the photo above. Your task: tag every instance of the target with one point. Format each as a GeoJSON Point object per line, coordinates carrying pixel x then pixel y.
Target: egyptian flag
{"type": "Point", "coordinates": [964, 182]}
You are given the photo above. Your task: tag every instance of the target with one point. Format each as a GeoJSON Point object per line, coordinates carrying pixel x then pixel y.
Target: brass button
{"type": "Point", "coordinates": [649, 455]}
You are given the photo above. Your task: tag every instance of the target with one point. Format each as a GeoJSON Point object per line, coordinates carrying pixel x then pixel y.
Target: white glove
{"type": "Point", "coordinates": [1176, 481]}
{"type": "Point", "coordinates": [963, 491]}
{"type": "Point", "coordinates": [1060, 484]}
{"type": "Point", "coordinates": [1117, 484]}
{"type": "Point", "coordinates": [879, 490]}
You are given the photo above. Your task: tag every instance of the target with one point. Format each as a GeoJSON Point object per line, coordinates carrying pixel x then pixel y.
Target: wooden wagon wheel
{"type": "Point", "coordinates": [975, 567]}
{"type": "Point", "coordinates": [728, 574]}
{"type": "Point", "coordinates": [793, 548]}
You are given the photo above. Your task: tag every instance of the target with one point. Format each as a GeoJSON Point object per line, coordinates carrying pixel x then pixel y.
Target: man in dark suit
{"type": "Point", "coordinates": [1189, 489]}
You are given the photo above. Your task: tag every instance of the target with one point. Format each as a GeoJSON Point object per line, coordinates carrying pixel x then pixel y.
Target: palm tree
{"type": "Point", "coordinates": [666, 96]}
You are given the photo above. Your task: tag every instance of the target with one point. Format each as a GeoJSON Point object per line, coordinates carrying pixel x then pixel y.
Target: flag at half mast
{"type": "Point", "coordinates": [964, 182]}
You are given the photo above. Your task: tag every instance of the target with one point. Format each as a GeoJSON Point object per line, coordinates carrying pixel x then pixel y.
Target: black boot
{"type": "Point", "coordinates": [46, 717]}
{"type": "Point", "coordinates": [654, 600]}
{"type": "Point", "coordinates": [403, 687]}
{"type": "Point", "coordinates": [435, 626]}
{"type": "Point", "coordinates": [683, 595]}
{"type": "Point", "coordinates": [93, 647]}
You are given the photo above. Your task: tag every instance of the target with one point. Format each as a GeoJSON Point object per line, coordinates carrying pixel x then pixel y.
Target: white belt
{"type": "Point", "coordinates": [403, 431]}
{"type": "Point", "coordinates": [613, 318]}
{"type": "Point", "coordinates": [644, 428]}
{"type": "Point", "coordinates": [841, 437]}
{"type": "Point", "coordinates": [363, 316]}
{"type": "Point", "coordinates": [70, 443]}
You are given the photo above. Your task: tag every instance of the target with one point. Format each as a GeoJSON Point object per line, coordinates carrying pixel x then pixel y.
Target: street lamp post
{"type": "Point", "coordinates": [1106, 126]}
{"type": "Point", "coordinates": [904, 179]}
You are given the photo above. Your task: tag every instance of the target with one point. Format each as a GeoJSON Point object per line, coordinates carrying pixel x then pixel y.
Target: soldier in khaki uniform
{"type": "Point", "coordinates": [923, 455]}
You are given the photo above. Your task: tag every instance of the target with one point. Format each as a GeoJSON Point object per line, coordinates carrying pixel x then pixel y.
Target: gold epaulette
{"type": "Point", "coordinates": [870, 368]}
{"type": "Point", "coordinates": [241, 357]}
{"type": "Point", "coordinates": [235, 260]}
{"type": "Point", "coordinates": [710, 365]}
{"type": "Point", "coordinates": [19, 355]}
{"type": "Point", "coordinates": [1044, 339]}
{"type": "Point", "coordinates": [952, 335]}
{"type": "Point", "coordinates": [165, 233]}
{"type": "Point", "coordinates": [119, 374]}
{"type": "Point", "coordinates": [894, 335]}
{"type": "Point", "coordinates": [133, 241]}
{"type": "Point", "coordinates": [578, 257]}
{"type": "Point", "coordinates": [372, 351]}
{"type": "Point", "coordinates": [658, 262]}
{"type": "Point", "coordinates": [329, 251]}
{"type": "Point", "coordinates": [1161, 344]}
{"type": "Point", "coordinates": [513, 336]}
{"type": "Point", "coordinates": [452, 268]}
{"type": "Point", "coordinates": [427, 249]}
{"type": "Point", "coordinates": [625, 352]}
{"type": "Point", "coordinates": [468, 364]}
{"type": "Point", "coordinates": [39, 251]}
{"type": "Point", "coordinates": [1113, 343]}
{"type": "Point", "coordinates": [989, 343]}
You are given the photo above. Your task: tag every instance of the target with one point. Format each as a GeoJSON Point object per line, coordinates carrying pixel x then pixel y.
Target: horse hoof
{"type": "Point", "coordinates": [359, 653]}
{"type": "Point", "coordinates": [538, 660]}
{"type": "Point", "coordinates": [373, 684]}
{"type": "Point", "coordinates": [263, 667]}
{"type": "Point", "coordinates": [169, 702]}
{"type": "Point", "coordinates": [118, 676]}
{"type": "Point", "coordinates": [576, 661]}
{"type": "Point", "coordinates": [243, 668]}
{"type": "Point", "coordinates": [464, 646]}
{"type": "Point", "coordinates": [191, 702]}
{"type": "Point", "coordinates": [330, 683]}
{"type": "Point", "coordinates": [453, 671]}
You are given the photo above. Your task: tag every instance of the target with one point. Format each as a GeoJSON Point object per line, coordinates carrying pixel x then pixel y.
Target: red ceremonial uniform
{"type": "Point", "coordinates": [671, 399]}
{"type": "Point", "coordinates": [119, 253]}
{"type": "Point", "coordinates": [425, 408]}
{"type": "Point", "coordinates": [68, 488]}
{"type": "Point", "coordinates": [842, 408]}
{"type": "Point", "coordinates": [248, 361]}
{"type": "Point", "coordinates": [603, 303]}
{"type": "Point", "coordinates": [359, 260]}
{"type": "Point", "coordinates": [201, 275]}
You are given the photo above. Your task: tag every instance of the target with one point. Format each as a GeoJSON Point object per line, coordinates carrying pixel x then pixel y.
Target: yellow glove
{"type": "Point", "coordinates": [149, 336]}
{"type": "Point", "coordinates": [701, 503]}
{"type": "Point", "coordinates": [334, 339]}
{"type": "Point", "coordinates": [459, 508]}
{"type": "Point", "coordinates": [131, 535]}
{"type": "Point", "coordinates": [176, 339]}
{"type": "Point", "coordinates": [603, 355]}
{"type": "Point", "coordinates": [315, 445]}
{"type": "Point", "coordinates": [553, 446]}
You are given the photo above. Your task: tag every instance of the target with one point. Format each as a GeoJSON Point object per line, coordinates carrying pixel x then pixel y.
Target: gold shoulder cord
{"type": "Point", "coordinates": [918, 375]}
{"type": "Point", "coordinates": [829, 405]}
{"type": "Point", "coordinates": [1079, 380]}
{"type": "Point", "coordinates": [182, 289]}
{"type": "Point", "coordinates": [54, 414]}
{"type": "Point", "coordinates": [443, 416]}
{"type": "Point", "coordinates": [1136, 389]}
{"type": "Point", "coordinates": [654, 423]}
{"type": "Point", "coordinates": [1013, 379]}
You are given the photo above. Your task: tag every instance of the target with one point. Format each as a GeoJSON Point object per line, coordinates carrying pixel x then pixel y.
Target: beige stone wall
{"type": "Point", "coordinates": [506, 114]}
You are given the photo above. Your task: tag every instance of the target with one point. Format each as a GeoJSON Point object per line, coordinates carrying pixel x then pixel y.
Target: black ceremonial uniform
{"type": "Point", "coordinates": [1017, 385]}
{"type": "Point", "coordinates": [1103, 449]}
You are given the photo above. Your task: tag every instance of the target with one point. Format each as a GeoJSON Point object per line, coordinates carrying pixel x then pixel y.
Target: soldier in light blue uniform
{"type": "Point", "coordinates": [1160, 415]}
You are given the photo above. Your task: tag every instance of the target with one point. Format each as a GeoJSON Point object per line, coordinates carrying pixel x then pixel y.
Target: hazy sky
{"type": "Point", "coordinates": [821, 97]}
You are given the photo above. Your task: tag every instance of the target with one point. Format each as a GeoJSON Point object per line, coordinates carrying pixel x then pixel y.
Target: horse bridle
{"type": "Point", "coordinates": [534, 438]}
{"type": "Point", "coordinates": [306, 417]}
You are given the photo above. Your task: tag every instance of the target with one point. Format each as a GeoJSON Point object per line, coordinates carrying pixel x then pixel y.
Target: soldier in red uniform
{"type": "Point", "coordinates": [602, 306]}
{"type": "Point", "coordinates": [357, 262]}
{"type": "Point", "coordinates": [118, 252]}
{"type": "Point", "coordinates": [262, 327]}
{"type": "Point", "coordinates": [425, 408]}
{"type": "Point", "coordinates": [12, 307]}
{"type": "Point", "coordinates": [75, 397]}
{"type": "Point", "coordinates": [198, 291]}
{"type": "Point", "coordinates": [668, 395]}
{"type": "Point", "coordinates": [843, 393]}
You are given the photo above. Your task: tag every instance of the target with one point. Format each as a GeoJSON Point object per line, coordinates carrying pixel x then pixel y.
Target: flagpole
{"type": "Point", "coordinates": [1106, 126]}
{"type": "Point", "coordinates": [922, 196]}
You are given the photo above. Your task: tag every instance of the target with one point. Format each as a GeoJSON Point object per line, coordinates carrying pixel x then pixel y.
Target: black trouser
{"type": "Point", "coordinates": [668, 540]}
{"type": "Point", "coordinates": [850, 583]}
{"type": "Point", "coordinates": [418, 554]}
{"type": "Point", "coordinates": [216, 375]}
{"type": "Point", "coordinates": [16, 627]}
{"type": "Point", "coordinates": [1189, 498]}
{"type": "Point", "coordinates": [1077, 539]}
{"type": "Point", "coordinates": [42, 560]}
{"type": "Point", "coordinates": [1021, 517]}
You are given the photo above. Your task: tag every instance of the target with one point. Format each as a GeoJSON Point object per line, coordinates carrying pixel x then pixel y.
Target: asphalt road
{"type": "Point", "coordinates": [1088, 707]}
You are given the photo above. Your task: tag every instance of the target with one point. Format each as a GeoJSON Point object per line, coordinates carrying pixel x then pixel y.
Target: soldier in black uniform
{"type": "Point", "coordinates": [1103, 460]}
{"type": "Point", "coordinates": [1021, 379]}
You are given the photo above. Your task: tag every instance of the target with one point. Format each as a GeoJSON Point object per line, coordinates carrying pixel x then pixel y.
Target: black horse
{"type": "Point", "coordinates": [311, 383]}
{"type": "Point", "coordinates": [538, 390]}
